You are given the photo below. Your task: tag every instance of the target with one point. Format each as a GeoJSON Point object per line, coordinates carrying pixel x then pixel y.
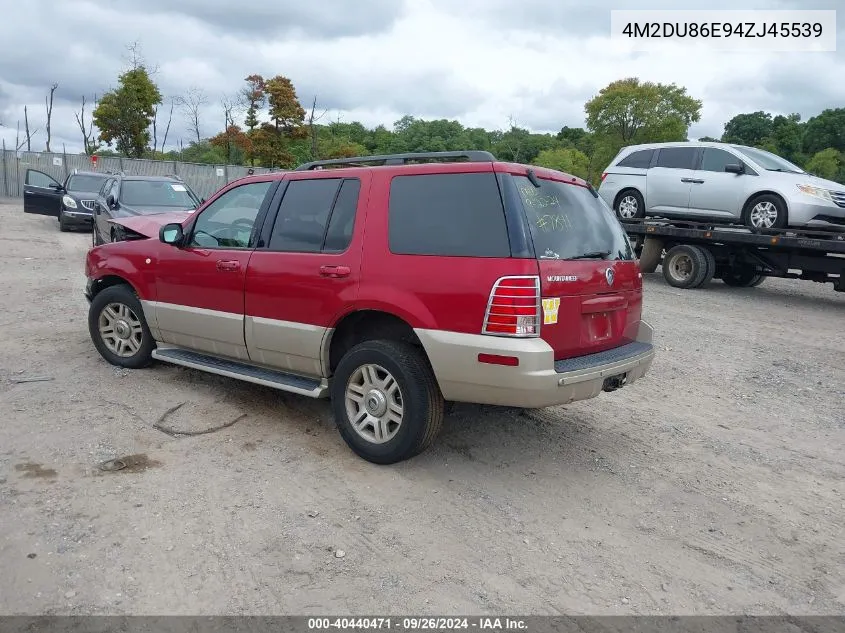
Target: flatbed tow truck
{"type": "Point", "coordinates": [693, 253]}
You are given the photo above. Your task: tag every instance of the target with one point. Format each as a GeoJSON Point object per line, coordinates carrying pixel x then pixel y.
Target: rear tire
{"type": "Point", "coordinates": [711, 266]}
{"type": "Point", "coordinates": [742, 278]}
{"type": "Point", "coordinates": [629, 205]}
{"type": "Point", "coordinates": [651, 253]}
{"type": "Point", "coordinates": [685, 266]}
{"type": "Point", "coordinates": [386, 401]}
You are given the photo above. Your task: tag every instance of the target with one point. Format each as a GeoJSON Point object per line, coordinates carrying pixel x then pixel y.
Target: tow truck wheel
{"type": "Point", "coordinates": [650, 255]}
{"type": "Point", "coordinates": [711, 266]}
{"type": "Point", "coordinates": [742, 278]}
{"type": "Point", "coordinates": [685, 266]}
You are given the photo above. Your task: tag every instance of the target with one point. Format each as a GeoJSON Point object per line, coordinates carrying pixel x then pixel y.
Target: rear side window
{"type": "Point", "coordinates": [316, 215]}
{"type": "Point", "coordinates": [677, 157]}
{"type": "Point", "coordinates": [640, 159]}
{"type": "Point", "coordinates": [449, 215]}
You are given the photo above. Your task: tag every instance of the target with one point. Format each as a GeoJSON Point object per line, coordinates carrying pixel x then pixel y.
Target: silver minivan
{"type": "Point", "coordinates": [722, 182]}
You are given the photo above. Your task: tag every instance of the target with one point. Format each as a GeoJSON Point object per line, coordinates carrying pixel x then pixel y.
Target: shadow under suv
{"type": "Point", "coordinates": [720, 182]}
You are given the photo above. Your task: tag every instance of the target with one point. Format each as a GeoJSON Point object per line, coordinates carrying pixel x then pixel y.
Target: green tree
{"type": "Point", "coordinates": [708, 139]}
{"type": "Point", "coordinates": [828, 163]}
{"type": "Point", "coordinates": [825, 130]}
{"type": "Point", "coordinates": [124, 114]}
{"type": "Point", "coordinates": [254, 97]}
{"type": "Point", "coordinates": [628, 112]}
{"type": "Point", "coordinates": [748, 129]}
{"type": "Point", "coordinates": [788, 137]}
{"type": "Point", "coordinates": [566, 159]}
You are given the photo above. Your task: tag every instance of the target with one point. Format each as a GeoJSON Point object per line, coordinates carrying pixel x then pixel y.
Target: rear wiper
{"type": "Point", "coordinates": [592, 255]}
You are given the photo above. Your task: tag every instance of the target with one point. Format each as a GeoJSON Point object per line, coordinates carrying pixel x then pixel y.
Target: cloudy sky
{"type": "Point", "coordinates": [478, 61]}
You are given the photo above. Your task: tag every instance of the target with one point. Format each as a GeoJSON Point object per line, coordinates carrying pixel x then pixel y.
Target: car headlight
{"type": "Point", "coordinates": [817, 192]}
{"type": "Point", "coordinates": [69, 202]}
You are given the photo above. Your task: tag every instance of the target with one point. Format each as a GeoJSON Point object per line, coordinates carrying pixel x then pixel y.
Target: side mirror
{"type": "Point", "coordinates": [202, 200]}
{"type": "Point", "coordinates": [171, 234]}
{"type": "Point", "coordinates": [735, 168]}
{"type": "Point", "coordinates": [56, 186]}
{"type": "Point", "coordinates": [110, 201]}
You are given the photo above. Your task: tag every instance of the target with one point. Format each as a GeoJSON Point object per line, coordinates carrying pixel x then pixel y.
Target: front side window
{"type": "Point", "coordinates": [39, 179]}
{"type": "Point", "coordinates": [106, 187]}
{"type": "Point", "coordinates": [569, 222]}
{"type": "Point", "coordinates": [157, 193]}
{"type": "Point", "coordinates": [717, 159]}
{"type": "Point", "coordinates": [676, 157]}
{"type": "Point", "coordinates": [229, 220]}
{"type": "Point", "coordinates": [457, 215]}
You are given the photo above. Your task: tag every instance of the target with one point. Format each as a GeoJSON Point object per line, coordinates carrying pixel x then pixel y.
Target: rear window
{"type": "Point", "coordinates": [569, 222]}
{"type": "Point", "coordinates": [448, 215]}
{"type": "Point", "coordinates": [85, 183]}
{"type": "Point", "coordinates": [640, 159]}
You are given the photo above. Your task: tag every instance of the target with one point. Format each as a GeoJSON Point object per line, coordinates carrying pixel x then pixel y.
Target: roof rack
{"type": "Point", "coordinates": [473, 156]}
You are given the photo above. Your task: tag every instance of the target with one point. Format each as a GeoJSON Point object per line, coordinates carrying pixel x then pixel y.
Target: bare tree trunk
{"type": "Point", "coordinates": [26, 130]}
{"type": "Point", "coordinates": [88, 138]}
{"type": "Point", "coordinates": [191, 104]}
{"type": "Point", "coordinates": [312, 119]}
{"type": "Point", "coordinates": [167, 129]}
{"type": "Point", "coordinates": [48, 102]}
{"type": "Point", "coordinates": [155, 133]}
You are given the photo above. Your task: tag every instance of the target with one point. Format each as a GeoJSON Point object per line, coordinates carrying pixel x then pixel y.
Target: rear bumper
{"type": "Point", "coordinates": [538, 381]}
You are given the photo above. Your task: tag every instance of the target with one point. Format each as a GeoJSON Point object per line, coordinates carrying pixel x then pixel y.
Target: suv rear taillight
{"type": "Point", "coordinates": [514, 307]}
{"type": "Point", "coordinates": [603, 176]}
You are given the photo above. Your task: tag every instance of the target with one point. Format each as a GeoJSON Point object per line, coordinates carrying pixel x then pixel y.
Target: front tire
{"type": "Point", "coordinates": [63, 225]}
{"type": "Point", "coordinates": [766, 212]}
{"type": "Point", "coordinates": [118, 328]}
{"type": "Point", "coordinates": [629, 205]}
{"type": "Point", "coordinates": [386, 401]}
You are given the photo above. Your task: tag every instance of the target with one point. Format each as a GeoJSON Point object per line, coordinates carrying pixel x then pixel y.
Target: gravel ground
{"type": "Point", "coordinates": [712, 486]}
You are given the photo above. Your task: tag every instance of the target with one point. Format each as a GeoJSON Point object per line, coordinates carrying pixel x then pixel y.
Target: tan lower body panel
{"type": "Point", "coordinates": [210, 331]}
{"type": "Point", "coordinates": [534, 383]}
{"type": "Point", "coordinates": [285, 345]}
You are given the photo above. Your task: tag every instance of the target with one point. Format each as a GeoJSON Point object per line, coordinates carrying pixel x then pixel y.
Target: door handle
{"type": "Point", "coordinates": [694, 181]}
{"type": "Point", "coordinates": [335, 271]}
{"type": "Point", "coordinates": [687, 180]}
{"type": "Point", "coordinates": [228, 265]}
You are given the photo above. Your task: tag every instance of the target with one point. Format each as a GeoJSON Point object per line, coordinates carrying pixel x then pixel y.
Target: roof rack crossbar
{"type": "Point", "coordinates": [473, 156]}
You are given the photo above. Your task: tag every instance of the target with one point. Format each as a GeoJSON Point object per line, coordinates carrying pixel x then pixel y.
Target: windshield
{"type": "Point", "coordinates": [156, 193]}
{"type": "Point", "coordinates": [769, 161]}
{"type": "Point", "coordinates": [569, 222]}
{"type": "Point", "coordinates": [85, 183]}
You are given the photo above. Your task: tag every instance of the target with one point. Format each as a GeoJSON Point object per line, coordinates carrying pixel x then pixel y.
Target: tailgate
{"type": "Point", "coordinates": [589, 306]}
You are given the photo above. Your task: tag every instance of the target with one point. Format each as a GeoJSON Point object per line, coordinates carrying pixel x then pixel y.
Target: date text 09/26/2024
{"type": "Point", "coordinates": [417, 623]}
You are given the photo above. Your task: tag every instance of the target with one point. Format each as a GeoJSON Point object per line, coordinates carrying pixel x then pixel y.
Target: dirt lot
{"type": "Point", "coordinates": [712, 486]}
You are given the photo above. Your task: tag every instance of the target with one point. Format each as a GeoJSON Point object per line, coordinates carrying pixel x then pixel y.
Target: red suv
{"type": "Point", "coordinates": [392, 284]}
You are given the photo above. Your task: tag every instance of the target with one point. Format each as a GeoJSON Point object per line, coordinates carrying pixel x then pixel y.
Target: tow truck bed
{"type": "Point", "coordinates": [693, 253]}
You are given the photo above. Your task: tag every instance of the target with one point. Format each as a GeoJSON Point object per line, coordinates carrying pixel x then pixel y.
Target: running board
{"type": "Point", "coordinates": [311, 387]}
